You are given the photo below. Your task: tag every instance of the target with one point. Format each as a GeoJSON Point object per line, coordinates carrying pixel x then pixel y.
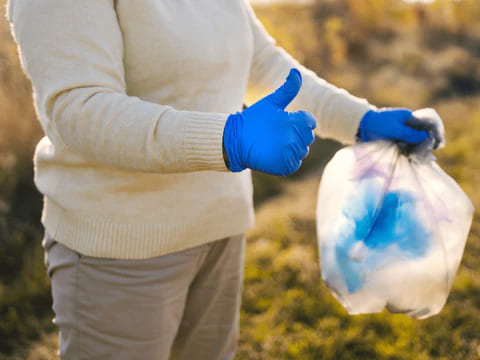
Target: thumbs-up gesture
{"type": "Point", "coordinates": [265, 137]}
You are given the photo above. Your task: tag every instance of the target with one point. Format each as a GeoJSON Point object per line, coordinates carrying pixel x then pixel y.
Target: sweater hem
{"type": "Point", "coordinates": [98, 238]}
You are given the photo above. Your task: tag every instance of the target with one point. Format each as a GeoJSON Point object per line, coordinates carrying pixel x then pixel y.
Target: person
{"type": "Point", "coordinates": [145, 166]}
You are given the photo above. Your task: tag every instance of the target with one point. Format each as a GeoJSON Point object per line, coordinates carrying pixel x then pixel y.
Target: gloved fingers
{"type": "Point", "coordinates": [305, 117]}
{"type": "Point", "coordinates": [306, 137]}
{"type": "Point", "coordinates": [288, 91]}
{"type": "Point", "coordinates": [386, 123]}
{"type": "Point", "coordinates": [297, 166]}
{"type": "Point", "coordinates": [299, 151]}
{"type": "Point", "coordinates": [292, 157]}
{"type": "Point", "coordinates": [307, 152]}
{"type": "Point", "coordinates": [425, 125]}
{"type": "Point", "coordinates": [292, 165]}
{"type": "Point", "coordinates": [400, 114]}
{"type": "Point", "coordinates": [304, 124]}
{"type": "Point", "coordinates": [412, 136]}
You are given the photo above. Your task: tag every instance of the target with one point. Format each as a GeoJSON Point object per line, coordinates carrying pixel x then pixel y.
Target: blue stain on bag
{"type": "Point", "coordinates": [392, 229]}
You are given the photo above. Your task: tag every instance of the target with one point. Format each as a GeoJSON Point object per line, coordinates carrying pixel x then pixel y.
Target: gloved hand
{"type": "Point", "coordinates": [402, 124]}
{"type": "Point", "coordinates": [266, 138]}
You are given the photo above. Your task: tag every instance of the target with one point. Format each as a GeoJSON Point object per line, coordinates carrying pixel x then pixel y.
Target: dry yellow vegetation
{"type": "Point", "coordinates": [392, 53]}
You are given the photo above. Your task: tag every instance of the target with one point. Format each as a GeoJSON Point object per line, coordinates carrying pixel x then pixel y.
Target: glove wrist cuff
{"type": "Point", "coordinates": [361, 132]}
{"type": "Point", "coordinates": [225, 155]}
{"type": "Point", "coordinates": [231, 142]}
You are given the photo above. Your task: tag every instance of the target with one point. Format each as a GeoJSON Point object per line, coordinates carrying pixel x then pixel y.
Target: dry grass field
{"type": "Point", "coordinates": [389, 52]}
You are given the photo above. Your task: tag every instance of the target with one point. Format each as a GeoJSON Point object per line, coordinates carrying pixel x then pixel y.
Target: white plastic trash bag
{"type": "Point", "coordinates": [391, 230]}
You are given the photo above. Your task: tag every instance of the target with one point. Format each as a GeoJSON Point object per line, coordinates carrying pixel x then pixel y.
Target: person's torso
{"type": "Point", "coordinates": [188, 54]}
{"type": "Point", "coordinates": [199, 48]}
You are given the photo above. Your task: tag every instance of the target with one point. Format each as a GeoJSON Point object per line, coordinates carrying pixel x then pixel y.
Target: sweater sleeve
{"type": "Point", "coordinates": [72, 52]}
{"type": "Point", "coordinates": [338, 113]}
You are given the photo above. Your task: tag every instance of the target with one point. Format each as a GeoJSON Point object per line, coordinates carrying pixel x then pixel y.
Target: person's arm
{"type": "Point", "coordinates": [72, 51]}
{"type": "Point", "coordinates": [338, 113]}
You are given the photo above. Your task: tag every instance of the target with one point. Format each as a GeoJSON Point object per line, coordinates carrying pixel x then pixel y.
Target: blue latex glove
{"type": "Point", "coordinates": [265, 137]}
{"type": "Point", "coordinates": [392, 124]}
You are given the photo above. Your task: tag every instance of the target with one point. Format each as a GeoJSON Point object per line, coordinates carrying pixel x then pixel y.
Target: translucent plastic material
{"type": "Point", "coordinates": [391, 230]}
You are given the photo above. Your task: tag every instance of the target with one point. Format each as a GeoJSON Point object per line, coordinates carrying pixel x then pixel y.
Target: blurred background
{"type": "Point", "coordinates": [392, 52]}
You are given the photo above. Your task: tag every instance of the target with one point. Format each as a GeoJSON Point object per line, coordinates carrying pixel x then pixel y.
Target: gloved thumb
{"type": "Point", "coordinates": [287, 92]}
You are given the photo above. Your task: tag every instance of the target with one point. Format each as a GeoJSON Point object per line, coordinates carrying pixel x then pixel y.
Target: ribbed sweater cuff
{"type": "Point", "coordinates": [203, 136]}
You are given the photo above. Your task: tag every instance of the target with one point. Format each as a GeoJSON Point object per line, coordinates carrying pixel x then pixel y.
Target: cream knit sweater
{"type": "Point", "coordinates": [132, 96]}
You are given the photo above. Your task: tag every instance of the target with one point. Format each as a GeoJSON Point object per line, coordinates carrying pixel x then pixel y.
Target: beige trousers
{"type": "Point", "coordinates": [183, 305]}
